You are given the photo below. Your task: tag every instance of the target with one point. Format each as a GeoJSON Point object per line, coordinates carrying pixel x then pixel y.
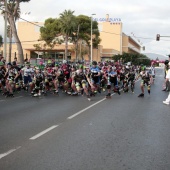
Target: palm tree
{"type": "Point", "coordinates": [12, 18]}
{"type": "Point", "coordinates": [11, 8]}
{"type": "Point", "coordinates": [68, 25]}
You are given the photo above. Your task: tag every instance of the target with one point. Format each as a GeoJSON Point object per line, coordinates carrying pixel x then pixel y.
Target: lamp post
{"type": "Point", "coordinates": [91, 57]}
{"type": "Point", "coordinates": [5, 31]}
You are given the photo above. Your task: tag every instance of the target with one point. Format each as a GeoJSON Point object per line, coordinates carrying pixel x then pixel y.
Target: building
{"type": "Point", "coordinates": [129, 45]}
{"type": "Point", "coordinates": [113, 42]}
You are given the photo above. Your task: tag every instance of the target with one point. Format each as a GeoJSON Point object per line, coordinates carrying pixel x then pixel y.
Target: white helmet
{"type": "Point", "coordinates": [64, 61]}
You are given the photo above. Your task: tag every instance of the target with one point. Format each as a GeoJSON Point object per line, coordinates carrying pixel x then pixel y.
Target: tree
{"type": "Point", "coordinates": [50, 30]}
{"type": "Point", "coordinates": [70, 28]}
{"type": "Point", "coordinates": [10, 7]}
{"type": "Point", "coordinates": [67, 27]}
{"type": "Point", "coordinates": [85, 31]}
{"type": "Point", "coordinates": [12, 12]}
{"type": "Point", "coordinates": [9, 29]}
{"type": "Point", "coordinates": [136, 59]}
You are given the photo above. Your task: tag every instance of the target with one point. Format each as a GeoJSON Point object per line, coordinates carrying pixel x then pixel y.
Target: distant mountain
{"type": "Point", "coordinates": [154, 56]}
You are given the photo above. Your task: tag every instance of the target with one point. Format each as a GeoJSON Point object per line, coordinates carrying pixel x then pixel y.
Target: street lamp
{"type": "Point", "coordinates": [91, 38]}
{"type": "Point", "coordinates": [5, 28]}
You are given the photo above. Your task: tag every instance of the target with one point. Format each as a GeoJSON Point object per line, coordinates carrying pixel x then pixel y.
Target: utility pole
{"type": "Point", "coordinates": [91, 57]}
{"type": "Point", "coordinates": [5, 32]}
{"type": "Point", "coordinates": [77, 41]}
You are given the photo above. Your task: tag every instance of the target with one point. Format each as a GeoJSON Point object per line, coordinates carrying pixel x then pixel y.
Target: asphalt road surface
{"type": "Point", "coordinates": [70, 133]}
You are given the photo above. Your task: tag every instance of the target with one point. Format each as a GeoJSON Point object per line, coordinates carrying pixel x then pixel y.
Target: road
{"type": "Point", "coordinates": [70, 133]}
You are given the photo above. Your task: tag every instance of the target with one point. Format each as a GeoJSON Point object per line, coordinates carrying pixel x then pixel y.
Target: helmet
{"type": "Point", "coordinates": [14, 63]}
{"type": "Point", "coordinates": [27, 63]}
{"type": "Point", "coordinates": [9, 64]}
{"type": "Point", "coordinates": [37, 68]}
{"type": "Point", "coordinates": [1, 63]}
{"type": "Point", "coordinates": [143, 68]}
{"type": "Point", "coordinates": [81, 66]}
{"type": "Point", "coordinates": [49, 65]}
{"type": "Point", "coordinates": [49, 62]}
{"type": "Point", "coordinates": [94, 63]}
{"type": "Point", "coordinates": [64, 61]}
{"type": "Point", "coordinates": [166, 62]}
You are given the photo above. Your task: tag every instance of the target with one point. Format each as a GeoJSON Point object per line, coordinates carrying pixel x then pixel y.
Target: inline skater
{"type": "Point", "coordinates": [28, 73]}
{"type": "Point", "coordinates": [103, 81]}
{"type": "Point", "coordinates": [48, 72]}
{"type": "Point", "coordinates": [111, 77]}
{"type": "Point", "coordinates": [146, 79]}
{"type": "Point", "coordinates": [18, 80]}
{"type": "Point", "coordinates": [2, 77]}
{"type": "Point", "coordinates": [95, 78]}
{"type": "Point", "coordinates": [80, 82]}
{"type": "Point", "coordinates": [152, 72]}
{"type": "Point", "coordinates": [131, 79]}
{"type": "Point", "coordinates": [38, 82]}
{"type": "Point", "coordinates": [12, 75]}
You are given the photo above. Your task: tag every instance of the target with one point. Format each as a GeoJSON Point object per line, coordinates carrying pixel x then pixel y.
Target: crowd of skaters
{"type": "Point", "coordinates": [74, 78]}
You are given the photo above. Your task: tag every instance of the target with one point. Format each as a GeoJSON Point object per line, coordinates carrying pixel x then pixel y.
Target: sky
{"type": "Point", "coordinates": [142, 20]}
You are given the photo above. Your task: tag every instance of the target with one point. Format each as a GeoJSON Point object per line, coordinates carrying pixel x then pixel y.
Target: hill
{"type": "Point", "coordinates": [154, 56]}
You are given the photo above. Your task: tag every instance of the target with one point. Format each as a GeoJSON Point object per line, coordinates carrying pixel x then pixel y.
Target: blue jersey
{"type": "Point", "coordinates": [112, 73]}
{"type": "Point", "coordinates": [94, 73]}
{"type": "Point", "coordinates": [112, 77]}
{"type": "Point", "coordinates": [94, 70]}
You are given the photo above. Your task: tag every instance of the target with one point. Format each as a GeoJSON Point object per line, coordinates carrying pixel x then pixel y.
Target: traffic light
{"type": "Point", "coordinates": [157, 37]}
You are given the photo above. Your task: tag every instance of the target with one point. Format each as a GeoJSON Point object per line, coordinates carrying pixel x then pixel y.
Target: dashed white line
{"type": "Point", "coordinates": [43, 132]}
{"type": "Point", "coordinates": [9, 152]}
{"type": "Point", "coordinates": [81, 111]}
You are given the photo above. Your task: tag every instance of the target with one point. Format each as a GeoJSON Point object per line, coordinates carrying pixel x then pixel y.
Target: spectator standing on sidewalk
{"type": "Point", "coordinates": [167, 101]}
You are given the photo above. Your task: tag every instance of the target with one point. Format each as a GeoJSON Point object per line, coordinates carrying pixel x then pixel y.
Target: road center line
{"type": "Point", "coordinates": [43, 132]}
{"type": "Point", "coordinates": [9, 152]}
{"type": "Point", "coordinates": [81, 111]}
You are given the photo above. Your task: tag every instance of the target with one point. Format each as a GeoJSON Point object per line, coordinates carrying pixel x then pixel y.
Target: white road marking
{"type": "Point", "coordinates": [43, 132]}
{"type": "Point", "coordinates": [9, 152]}
{"type": "Point", "coordinates": [2, 100]}
{"type": "Point", "coordinates": [81, 111]}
